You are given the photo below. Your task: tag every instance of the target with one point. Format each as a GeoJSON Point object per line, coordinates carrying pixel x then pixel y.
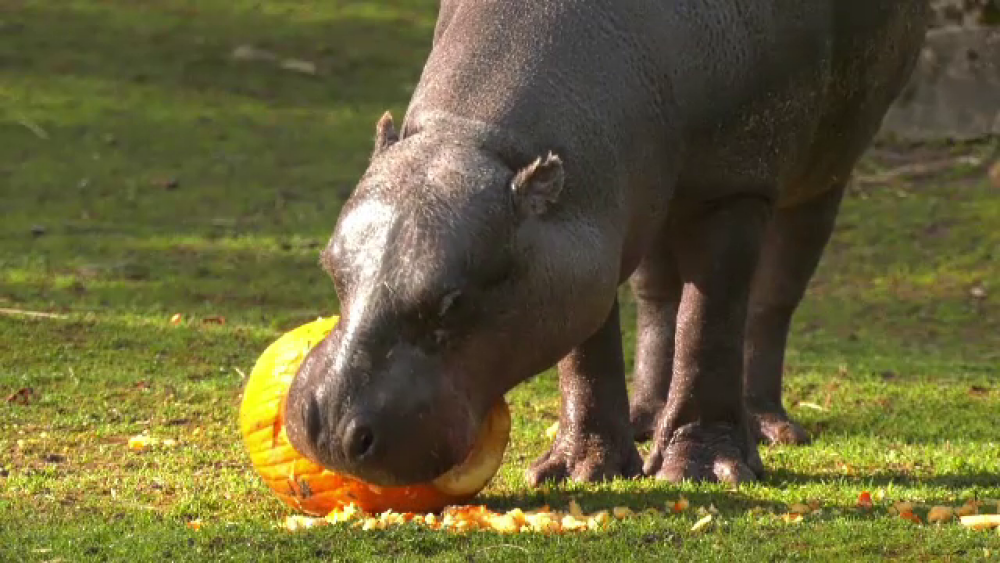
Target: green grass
{"type": "Point", "coordinates": [143, 173]}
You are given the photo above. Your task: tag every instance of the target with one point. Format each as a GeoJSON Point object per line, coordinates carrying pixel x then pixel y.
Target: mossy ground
{"type": "Point", "coordinates": [144, 173]}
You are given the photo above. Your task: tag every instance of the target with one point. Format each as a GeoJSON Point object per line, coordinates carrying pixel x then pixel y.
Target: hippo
{"type": "Point", "coordinates": [550, 153]}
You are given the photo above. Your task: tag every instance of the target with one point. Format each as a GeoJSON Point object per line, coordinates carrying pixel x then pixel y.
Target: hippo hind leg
{"type": "Point", "coordinates": [792, 247]}
{"type": "Point", "coordinates": [793, 244]}
{"type": "Point", "coordinates": [656, 286]}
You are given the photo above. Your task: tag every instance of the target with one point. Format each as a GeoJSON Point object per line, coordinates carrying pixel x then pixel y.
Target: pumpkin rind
{"type": "Point", "coordinates": [309, 487]}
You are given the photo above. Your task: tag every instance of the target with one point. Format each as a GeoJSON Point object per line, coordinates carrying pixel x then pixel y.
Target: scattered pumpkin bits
{"type": "Point", "coordinates": [865, 500]}
{"type": "Point", "coordinates": [547, 521]}
{"type": "Point", "coordinates": [799, 508]}
{"type": "Point", "coordinates": [469, 518]}
{"type": "Point", "coordinates": [552, 430]}
{"type": "Point", "coordinates": [144, 442]}
{"type": "Point", "coordinates": [909, 515]}
{"type": "Point", "coordinates": [792, 517]}
{"type": "Point", "coordinates": [311, 488]}
{"type": "Point", "coordinates": [702, 523]}
{"type": "Point", "coordinates": [981, 521]}
{"type": "Point", "coordinates": [940, 514]}
{"type": "Point", "coordinates": [967, 514]}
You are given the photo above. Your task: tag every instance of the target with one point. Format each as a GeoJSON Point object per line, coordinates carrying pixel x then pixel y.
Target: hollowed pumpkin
{"type": "Point", "coordinates": [309, 487]}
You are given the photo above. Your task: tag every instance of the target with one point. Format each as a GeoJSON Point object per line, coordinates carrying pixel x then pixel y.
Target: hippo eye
{"type": "Point", "coordinates": [449, 302]}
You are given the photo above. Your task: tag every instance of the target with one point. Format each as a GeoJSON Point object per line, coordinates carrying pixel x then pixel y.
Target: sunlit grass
{"type": "Point", "coordinates": [143, 173]}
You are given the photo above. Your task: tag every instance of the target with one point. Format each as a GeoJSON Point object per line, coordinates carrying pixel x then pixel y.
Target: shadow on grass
{"type": "Point", "coordinates": [974, 419]}
{"type": "Point", "coordinates": [780, 477]}
{"type": "Point", "coordinates": [735, 502]}
{"type": "Point", "coordinates": [659, 499]}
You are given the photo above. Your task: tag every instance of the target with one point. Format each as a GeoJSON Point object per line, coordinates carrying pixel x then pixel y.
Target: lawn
{"type": "Point", "coordinates": [145, 171]}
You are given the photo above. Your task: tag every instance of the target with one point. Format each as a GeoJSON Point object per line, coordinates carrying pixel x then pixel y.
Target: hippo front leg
{"type": "Point", "coordinates": [594, 441]}
{"type": "Point", "coordinates": [702, 433]}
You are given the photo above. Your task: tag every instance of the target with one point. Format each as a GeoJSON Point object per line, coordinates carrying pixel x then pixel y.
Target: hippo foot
{"type": "Point", "coordinates": [772, 426]}
{"type": "Point", "coordinates": [588, 458]}
{"type": "Point", "coordinates": [706, 452]}
{"type": "Point", "coordinates": [642, 417]}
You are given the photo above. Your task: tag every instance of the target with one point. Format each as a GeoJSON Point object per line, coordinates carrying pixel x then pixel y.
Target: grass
{"type": "Point", "coordinates": [144, 173]}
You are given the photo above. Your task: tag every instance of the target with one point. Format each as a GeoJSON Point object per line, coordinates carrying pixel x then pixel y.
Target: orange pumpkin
{"type": "Point", "coordinates": [310, 488]}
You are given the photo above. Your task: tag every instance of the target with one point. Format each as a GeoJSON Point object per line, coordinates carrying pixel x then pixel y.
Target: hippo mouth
{"type": "Point", "coordinates": [484, 457]}
{"type": "Point", "coordinates": [411, 459]}
{"type": "Point", "coordinates": [462, 461]}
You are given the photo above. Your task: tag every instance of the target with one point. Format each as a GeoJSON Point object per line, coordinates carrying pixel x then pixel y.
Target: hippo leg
{"type": "Point", "coordinates": [657, 286]}
{"type": "Point", "coordinates": [702, 433]}
{"type": "Point", "coordinates": [792, 248]}
{"type": "Point", "coordinates": [594, 441]}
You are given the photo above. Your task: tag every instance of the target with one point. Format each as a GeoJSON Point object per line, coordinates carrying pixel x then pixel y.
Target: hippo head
{"type": "Point", "coordinates": [458, 278]}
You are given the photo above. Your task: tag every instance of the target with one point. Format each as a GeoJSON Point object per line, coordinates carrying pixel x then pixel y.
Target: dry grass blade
{"type": "Point", "coordinates": [27, 313]}
{"type": "Point", "coordinates": [916, 170]}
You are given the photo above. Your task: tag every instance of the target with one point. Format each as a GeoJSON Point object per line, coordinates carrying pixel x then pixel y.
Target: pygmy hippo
{"type": "Point", "coordinates": [550, 152]}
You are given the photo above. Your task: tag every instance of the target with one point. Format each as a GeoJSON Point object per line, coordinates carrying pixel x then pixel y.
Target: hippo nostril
{"type": "Point", "coordinates": [358, 440]}
{"type": "Point", "coordinates": [314, 422]}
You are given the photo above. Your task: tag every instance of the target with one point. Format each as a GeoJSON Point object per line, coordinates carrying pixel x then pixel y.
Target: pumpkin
{"type": "Point", "coordinates": [313, 489]}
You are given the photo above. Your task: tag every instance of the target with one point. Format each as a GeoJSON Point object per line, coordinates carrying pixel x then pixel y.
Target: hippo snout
{"type": "Point", "coordinates": [358, 440]}
{"type": "Point", "coordinates": [395, 422]}
{"type": "Point", "coordinates": [357, 437]}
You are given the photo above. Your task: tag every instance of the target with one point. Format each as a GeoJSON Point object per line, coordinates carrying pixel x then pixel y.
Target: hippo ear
{"type": "Point", "coordinates": [385, 133]}
{"type": "Point", "coordinates": [537, 186]}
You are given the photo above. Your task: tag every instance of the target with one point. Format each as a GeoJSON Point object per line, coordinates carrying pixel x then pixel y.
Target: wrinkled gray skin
{"type": "Point", "coordinates": [553, 150]}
